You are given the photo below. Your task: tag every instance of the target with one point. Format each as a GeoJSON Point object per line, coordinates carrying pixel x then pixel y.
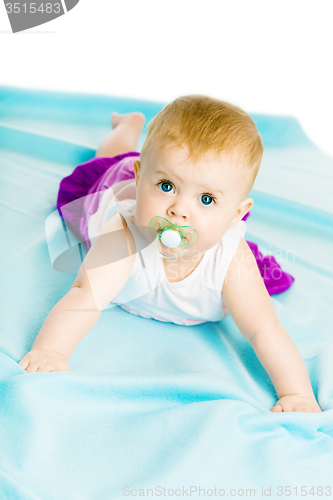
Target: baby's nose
{"type": "Point", "coordinates": [179, 215]}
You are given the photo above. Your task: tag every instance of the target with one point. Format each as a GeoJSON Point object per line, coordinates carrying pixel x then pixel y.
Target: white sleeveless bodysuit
{"type": "Point", "coordinates": [147, 292]}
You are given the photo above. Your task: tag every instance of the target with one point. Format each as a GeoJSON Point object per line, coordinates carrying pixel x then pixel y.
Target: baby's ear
{"type": "Point", "coordinates": [136, 166]}
{"type": "Point", "coordinates": [243, 209]}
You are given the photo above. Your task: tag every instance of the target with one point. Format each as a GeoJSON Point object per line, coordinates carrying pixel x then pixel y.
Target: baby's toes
{"type": "Point", "coordinates": [136, 118]}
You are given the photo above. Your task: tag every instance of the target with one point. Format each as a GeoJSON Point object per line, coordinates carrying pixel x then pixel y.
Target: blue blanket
{"type": "Point", "coordinates": [149, 408]}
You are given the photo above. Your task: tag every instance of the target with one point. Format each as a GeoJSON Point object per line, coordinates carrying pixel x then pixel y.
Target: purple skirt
{"type": "Point", "coordinates": [86, 185]}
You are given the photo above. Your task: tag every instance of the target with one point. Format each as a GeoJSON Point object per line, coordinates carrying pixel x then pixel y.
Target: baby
{"type": "Point", "coordinates": [196, 168]}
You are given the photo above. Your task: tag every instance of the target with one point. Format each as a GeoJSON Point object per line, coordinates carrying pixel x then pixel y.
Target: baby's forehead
{"type": "Point", "coordinates": [209, 166]}
{"type": "Point", "coordinates": [180, 155]}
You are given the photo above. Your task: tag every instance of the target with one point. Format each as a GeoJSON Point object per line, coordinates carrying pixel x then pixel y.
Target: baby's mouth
{"type": "Point", "coordinates": [171, 239]}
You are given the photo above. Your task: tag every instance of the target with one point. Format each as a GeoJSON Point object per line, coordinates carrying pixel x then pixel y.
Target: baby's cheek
{"type": "Point", "coordinates": [206, 237]}
{"type": "Point", "coordinates": [143, 213]}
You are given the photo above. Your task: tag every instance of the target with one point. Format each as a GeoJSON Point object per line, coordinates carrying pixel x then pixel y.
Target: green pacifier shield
{"type": "Point", "coordinates": [172, 235]}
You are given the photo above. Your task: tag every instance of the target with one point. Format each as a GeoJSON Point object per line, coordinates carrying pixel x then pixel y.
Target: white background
{"type": "Point", "coordinates": [267, 57]}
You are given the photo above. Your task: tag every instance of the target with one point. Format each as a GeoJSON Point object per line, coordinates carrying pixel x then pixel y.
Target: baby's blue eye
{"type": "Point", "coordinates": [206, 199]}
{"type": "Point", "coordinates": [165, 184]}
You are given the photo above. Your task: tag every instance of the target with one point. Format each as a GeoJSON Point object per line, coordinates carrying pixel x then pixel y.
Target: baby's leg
{"type": "Point", "coordinates": [124, 136]}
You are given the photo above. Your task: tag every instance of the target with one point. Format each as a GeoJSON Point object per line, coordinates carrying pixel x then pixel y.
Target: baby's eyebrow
{"type": "Point", "coordinates": [205, 187]}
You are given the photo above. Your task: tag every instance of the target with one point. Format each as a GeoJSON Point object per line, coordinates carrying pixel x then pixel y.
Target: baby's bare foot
{"type": "Point", "coordinates": [136, 118]}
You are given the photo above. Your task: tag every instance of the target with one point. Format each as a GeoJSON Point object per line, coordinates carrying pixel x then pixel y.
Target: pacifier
{"type": "Point", "coordinates": [171, 235]}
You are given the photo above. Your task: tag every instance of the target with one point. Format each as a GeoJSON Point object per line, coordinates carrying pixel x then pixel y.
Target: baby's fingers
{"type": "Point", "coordinates": [33, 367]}
{"type": "Point", "coordinates": [24, 362]}
{"type": "Point", "coordinates": [36, 366]}
{"type": "Point", "coordinates": [29, 365]}
{"type": "Point", "coordinates": [284, 406]}
{"type": "Point", "coordinates": [277, 408]}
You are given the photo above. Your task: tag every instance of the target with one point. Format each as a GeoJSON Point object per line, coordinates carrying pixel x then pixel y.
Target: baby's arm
{"type": "Point", "coordinates": [102, 275]}
{"type": "Point", "coordinates": [251, 308]}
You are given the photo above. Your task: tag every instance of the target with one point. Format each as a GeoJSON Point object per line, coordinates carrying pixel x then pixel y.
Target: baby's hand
{"type": "Point", "coordinates": [297, 402]}
{"type": "Point", "coordinates": [39, 360]}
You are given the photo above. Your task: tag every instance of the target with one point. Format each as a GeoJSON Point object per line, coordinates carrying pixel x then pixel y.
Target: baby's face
{"type": "Point", "coordinates": [207, 196]}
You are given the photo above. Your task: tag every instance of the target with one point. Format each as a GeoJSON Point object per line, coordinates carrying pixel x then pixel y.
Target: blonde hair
{"type": "Point", "coordinates": [207, 125]}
